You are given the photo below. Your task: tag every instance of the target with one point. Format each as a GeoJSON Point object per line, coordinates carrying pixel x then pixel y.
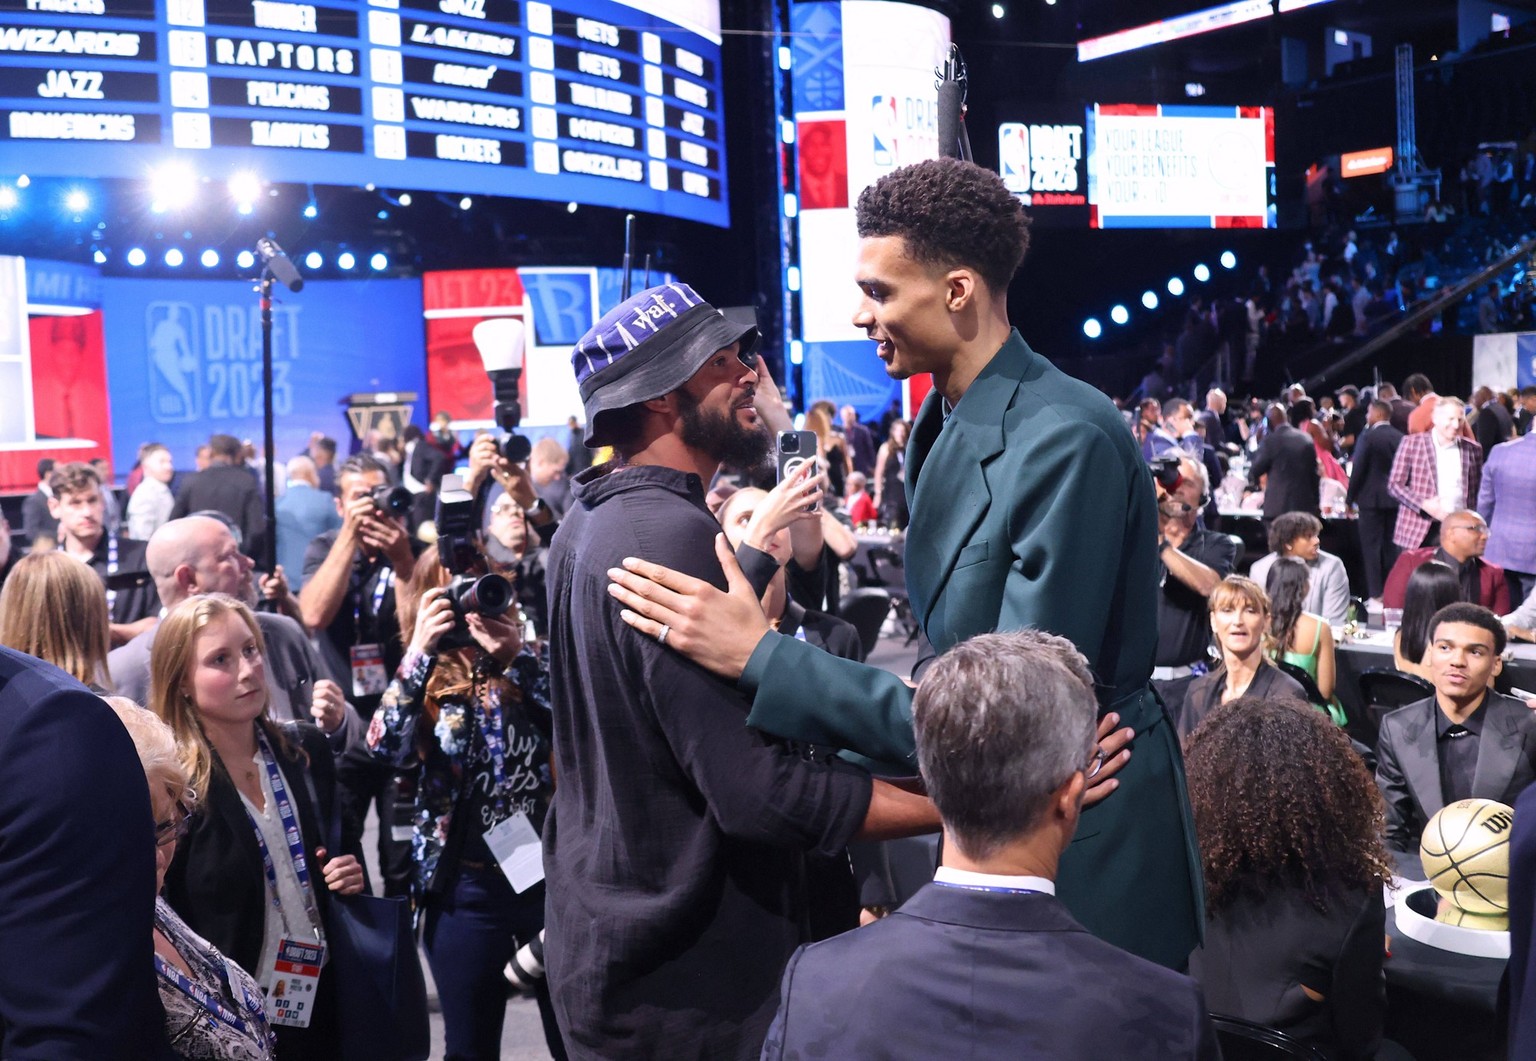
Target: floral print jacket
{"type": "Point", "coordinates": [455, 753]}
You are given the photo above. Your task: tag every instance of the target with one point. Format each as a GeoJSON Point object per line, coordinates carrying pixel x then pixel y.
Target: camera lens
{"type": "Point", "coordinates": [486, 595]}
{"type": "Point", "coordinates": [395, 500]}
{"type": "Point", "coordinates": [789, 443]}
{"type": "Point", "coordinates": [516, 448]}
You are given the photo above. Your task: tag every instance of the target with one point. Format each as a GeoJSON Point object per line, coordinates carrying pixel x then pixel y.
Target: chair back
{"type": "Point", "coordinates": [1243, 1040]}
{"type": "Point", "coordinates": [1387, 688]}
{"type": "Point", "coordinates": [1308, 685]}
{"type": "Point", "coordinates": [1240, 550]}
{"type": "Point", "coordinates": [866, 608]}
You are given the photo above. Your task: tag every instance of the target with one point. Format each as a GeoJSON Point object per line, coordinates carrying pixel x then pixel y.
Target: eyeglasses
{"type": "Point", "coordinates": [1095, 764]}
{"type": "Point", "coordinates": [1476, 528]}
{"type": "Point", "coordinates": [180, 823]}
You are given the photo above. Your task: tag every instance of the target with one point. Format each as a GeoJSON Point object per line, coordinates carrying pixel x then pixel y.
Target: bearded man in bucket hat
{"type": "Point", "coordinates": [674, 848]}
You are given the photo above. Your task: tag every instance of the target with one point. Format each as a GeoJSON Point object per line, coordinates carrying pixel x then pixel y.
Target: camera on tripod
{"type": "Point", "coordinates": [469, 593]}
{"type": "Point", "coordinates": [500, 342]}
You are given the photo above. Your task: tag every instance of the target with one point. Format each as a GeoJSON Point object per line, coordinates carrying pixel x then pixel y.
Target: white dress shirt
{"type": "Point", "coordinates": [964, 878]}
{"type": "Point", "coordinates": [1448, 476]}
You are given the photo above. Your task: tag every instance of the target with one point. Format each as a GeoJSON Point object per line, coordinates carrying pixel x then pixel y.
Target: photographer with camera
{"type": "Point", "coordinates": [470, 704]}
{"type": "Point", "coordinates": [1192, 561]}
{"type": "Point", "coordinates": [348, 599]}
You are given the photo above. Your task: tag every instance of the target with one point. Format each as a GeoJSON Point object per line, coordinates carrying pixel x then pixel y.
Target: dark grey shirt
{"type": "Point", "coordinates": [1183, 619]}
{"type": "Point", "coordinates": [1456, 749]}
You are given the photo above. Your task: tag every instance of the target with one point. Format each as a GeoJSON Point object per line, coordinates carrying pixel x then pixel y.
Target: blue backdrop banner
{"type": "Point", "coordinates": [184, 359]}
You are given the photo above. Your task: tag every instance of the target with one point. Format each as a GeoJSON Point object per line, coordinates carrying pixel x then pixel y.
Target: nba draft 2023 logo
{"type": "Point", "coordinates": [903, 129]}
{"type": "Point", "coordinates": [205, 360]}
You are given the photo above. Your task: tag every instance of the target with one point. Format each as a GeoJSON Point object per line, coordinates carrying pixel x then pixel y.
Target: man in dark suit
{"type": "Point", "coordinates": [1368, 492]}
{"type": "Point", "coordinates": [1005, 742]}
{"type": "Point", "coordinates": [226, 486]}
{"type": "Point", "coordinates": [36, 519]}
{"type": "Point", "coordinates": [1465, 741]}
{"type": "Point", "coordinates": [1288, 457]}
{"type": "Point", "coordinates": [1401, 407]}
{"type": "Point", "coordinates": [77, 876]}
{"type": "Point", "coordinates": [1491, 424]}
{"type": "Point", "coordinates": [1031, 507]}
{"type": "Point", "coordinates": [1525, 415]}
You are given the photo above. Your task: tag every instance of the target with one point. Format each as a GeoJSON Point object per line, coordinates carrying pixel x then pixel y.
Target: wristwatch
{"type": "Point", "coordinates": [537, 508]}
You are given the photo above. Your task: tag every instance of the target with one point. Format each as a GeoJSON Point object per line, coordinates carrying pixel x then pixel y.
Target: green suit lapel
{"type": "Point", "coordinates": [947, 489]}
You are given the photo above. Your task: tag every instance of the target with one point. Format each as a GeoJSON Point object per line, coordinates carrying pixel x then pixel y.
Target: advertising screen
{"type": "Point", "coordinates": [1165, 166]}
{"type": "Point", "coordinates": [1044, 161]}
{"type": "Point", "coordinates": [607, 102]}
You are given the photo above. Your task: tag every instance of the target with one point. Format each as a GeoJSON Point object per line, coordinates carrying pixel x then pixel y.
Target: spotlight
{"type": "Point", "coordinates": [998, 11]}
{"type": "Point", "coordinates": [174, 258]}
{"type": "Point", "coordinates": [1202, 272]}
{"type": "Point", "coordinates": [792, 277]}
{"type": "Point", "coordinates": [245, 189]}
{"type": "Point", "coordinates": [245, 260]}
{"type": "Point", "coordinates": [23, 181]}
{"type": "Point", "coordinates": [8, 197]}
{"type": "Point", "coordinates": [171, 187]}
{"type": "Point", "coordinates": [379, 262]}
{"type": "Point", "coordinates": [137, 257]}
{"type": "Point", "coordinates": [76, 201]}
{"type": "Point", "coordinates": [1149, 299]}
{"type": "Point", "coordinates": [405, 199]}
{"type": "Point", "coordinates": [570, 208]}
{"type": "Point", "coordinates": [346, 260]}
{"type": "Point", "coordinates": [1228, 260]}
{"type": "Point", "coordinates": [245, 209]}
{"type": "Point", "coordinates": [210, 259]}
{"type": "Point", "coordinates": [1119, 314]}
{"type": "Point", "coordinates": [465, 203]}
{"type": "Point", "coordinates": [1175, 287]}
{"type": "Point", "coordinates": [99, 256]}
{"type": "Point", "coordinates": [383, 215]}
{"type": "Point", "coordinates": [313, 260]}
{"type": "Point", "coordinates": [311, 211]}
{"type": "Point", "coordinates": [1092, 328]}
{"type": "Point", "coordinates": [791, 205]}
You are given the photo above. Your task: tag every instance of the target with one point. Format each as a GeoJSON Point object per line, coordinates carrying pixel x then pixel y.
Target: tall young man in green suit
{"type": "Point", "coordinates": [1031, 507]}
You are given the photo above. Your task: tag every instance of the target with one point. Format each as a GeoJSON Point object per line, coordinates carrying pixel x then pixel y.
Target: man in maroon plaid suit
{"type": "Point", "coordinates": [1433, 474]}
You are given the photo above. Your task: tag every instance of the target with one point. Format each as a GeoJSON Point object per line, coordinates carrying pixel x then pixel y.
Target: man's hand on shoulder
{"type": "Point", "coordinates": [718, 631]}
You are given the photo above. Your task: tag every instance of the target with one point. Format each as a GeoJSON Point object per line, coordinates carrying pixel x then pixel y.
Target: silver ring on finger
{"type": "Point", "coordinates": [661, 636]}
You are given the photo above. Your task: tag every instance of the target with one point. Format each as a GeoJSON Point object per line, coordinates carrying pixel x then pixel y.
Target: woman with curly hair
{"type": "Point", "coordinates": [1290, 826]}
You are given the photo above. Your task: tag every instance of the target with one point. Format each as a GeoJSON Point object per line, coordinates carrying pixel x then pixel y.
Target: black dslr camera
{"type": "Point", "coordinates": [469, 593]}
{"type": "Point", "coordinates": [391, 500]}
{"type": "Point", "coordinates": [1165, 471]}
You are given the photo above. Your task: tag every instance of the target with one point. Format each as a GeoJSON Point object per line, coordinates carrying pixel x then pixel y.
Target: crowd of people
{"type": "Point", "coordinates": [624, 751]}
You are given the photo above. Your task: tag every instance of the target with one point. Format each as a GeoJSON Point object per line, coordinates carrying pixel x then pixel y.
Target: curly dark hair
{"type": "Point", "coordinates": [950, 213]}
{"type": "Point", "coordinates": [1281, 799]}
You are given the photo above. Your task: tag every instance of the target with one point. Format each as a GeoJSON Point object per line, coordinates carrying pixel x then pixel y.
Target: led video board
{"type": "Point", "coordinates": [1165, 166]}
{"type": "Point", "coordinates": [606, 102]}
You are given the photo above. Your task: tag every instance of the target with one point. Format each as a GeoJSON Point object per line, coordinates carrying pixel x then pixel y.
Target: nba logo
{"type": "Point", "coordinates": [883, 129]}
{"type": "Point", "coordinates": [1013, 155]}
{"type": "Point", "coordinates": [170, 333]}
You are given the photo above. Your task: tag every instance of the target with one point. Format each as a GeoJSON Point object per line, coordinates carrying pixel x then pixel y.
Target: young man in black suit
{"type": "Point", "coordinates": [1289, 458]}
{"type": "Point", "coordinates": [1368, 492]}
{"type": "Point", "coordinates": [1005, 743]}
{"type": "Point", "coordinates": [1466, 741]}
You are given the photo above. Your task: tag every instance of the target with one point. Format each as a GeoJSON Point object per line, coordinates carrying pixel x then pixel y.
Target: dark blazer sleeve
{"type": "Point", "coordinates": [1403, 826]}
{"type": "Point", "coordinates": [773, 1046]}
{"type": "Point", "coordinates": [1357, 998]}
{"type": "Point", "coordinates": [77, 877]}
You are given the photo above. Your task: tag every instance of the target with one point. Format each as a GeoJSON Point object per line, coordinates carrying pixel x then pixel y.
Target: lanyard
{"type": "Point", "coordinates": [985, 888]}
{"type": "Point", "coordinates": [214, 1005]}
{"type": "Point", "coordinates": [488, 707]}
{"type": "Point", "coordinates": [291, 832]}
{"type": "Point", "coordinates": [111, 570]}
{"type": "Point", "coordinates": [380, 587]}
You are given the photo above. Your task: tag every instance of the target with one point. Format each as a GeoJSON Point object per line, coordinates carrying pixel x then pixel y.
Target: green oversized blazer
{"type": "Point", "coordinates": [1031, 507]}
